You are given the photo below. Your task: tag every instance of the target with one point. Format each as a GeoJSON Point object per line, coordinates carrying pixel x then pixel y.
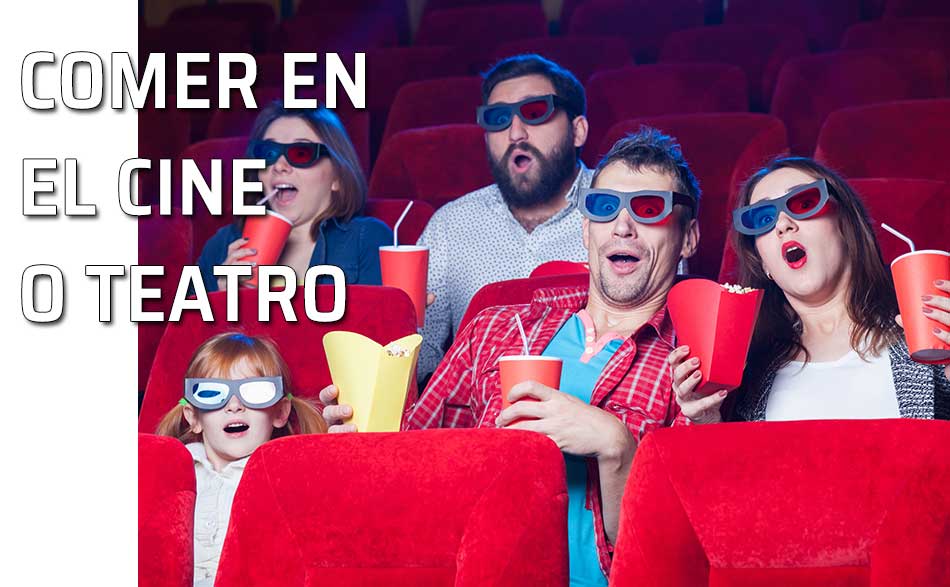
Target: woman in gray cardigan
{"type": "Point", "coordinates": [828, 342]}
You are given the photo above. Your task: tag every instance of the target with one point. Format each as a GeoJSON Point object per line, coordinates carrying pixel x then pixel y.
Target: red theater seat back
{"type": "Point", "coordinates": [788, 503]}
{"type": "Point", "coordinates": [582, 56]}
{"type": "Point", "coordinates": [760, 50]}
{"type": "Point", "coordinates": [923, 33]}
{"type": "Point", "coordinates": [448, 100]}
{"type": "Point", "coordinates": [517, 291]}
{"type": "Point", "coordinates": [435, 164]}
{"type": "Point", "coordinates": [166, 512]}
{"type": "Point", "coordinates": [899, 139]}
{"type": "Point", "coordinates": [460, 508]}
{"type": "Point", "coordinates": [653, 90]}
{"type": "Point", "coordinates": [812, 87]}
{"type": "Point", "coordinates": [823, 21]}
{"type": "Point", "coordinates": [916, 9]}
{"type": "Point", "coordinates": [381, 313]}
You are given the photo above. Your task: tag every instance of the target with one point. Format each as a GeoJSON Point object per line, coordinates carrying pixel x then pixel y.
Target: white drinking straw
{"type": "Point", "coordinates": [524, 338]}
{"type": "Point", "coordinates": [267, 197]}
{"type": "Point", "coordinates": [398, 222]}
{"type": "Point", "coordinates": [909, 242]}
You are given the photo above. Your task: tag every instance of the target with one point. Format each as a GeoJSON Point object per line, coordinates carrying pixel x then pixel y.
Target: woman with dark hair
{"type": "Point", "coordinates": [827, 343]}
{"type": "Point", "coordinates": [320, 188]}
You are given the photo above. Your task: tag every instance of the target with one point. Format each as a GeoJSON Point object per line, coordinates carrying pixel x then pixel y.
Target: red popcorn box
{"type": "Point", "coordinates": [716, 322]}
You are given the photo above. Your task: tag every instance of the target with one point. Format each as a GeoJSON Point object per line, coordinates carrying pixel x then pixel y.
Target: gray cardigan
{"type": "Point", "coordinates": [923, 391]}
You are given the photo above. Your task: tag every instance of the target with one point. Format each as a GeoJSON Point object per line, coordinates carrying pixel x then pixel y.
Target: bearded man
{"type": "Point", "coordinates": [533, 114]}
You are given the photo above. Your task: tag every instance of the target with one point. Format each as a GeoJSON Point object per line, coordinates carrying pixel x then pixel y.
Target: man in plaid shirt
{"type": "Point", "coordinates": [614, 338]}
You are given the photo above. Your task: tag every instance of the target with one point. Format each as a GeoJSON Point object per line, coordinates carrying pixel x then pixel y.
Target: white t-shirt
{"type": "Point", "coordinates": [212, 510]}
{"type": "Point", "coordinates": [848, 388]}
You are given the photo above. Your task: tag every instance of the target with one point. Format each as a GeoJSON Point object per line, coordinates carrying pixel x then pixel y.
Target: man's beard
{"type": "Point", "coordinates": [553, 173]}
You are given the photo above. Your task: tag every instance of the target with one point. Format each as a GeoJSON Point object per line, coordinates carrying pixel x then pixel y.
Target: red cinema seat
{"type": "Point", "coordinates": [259, 18]}
{"type": "Point", "coordinates": [760, 50]}
{"type": "Point", "coordinates": [395, 9]}
{"type": "Point", "coordinates": [559, 268]}
{"type": "Point", "coordinates": [643, 23]}
{"type": "Point", "coordinates": [916, 9]}
{"type": "Point", "coordinates": [898, 139]}
{"type": "Point", "coordinates": [425, 508]}
{"type": "Point", "coordinates": [166, 512]}
{"type": "Point", "coordinates": [335, 31]}
{"type": "Point", "coordinates": [517, 291]}
{"type": "Point", "coordinates": [918, 207]}
{"type": "Point", "coordinates": [384, 314]}
{"type": "Point", "coordinates": [823, 21]}
{"type": "Point", "coordinates": [923, 33]}
{"type": "Point", "coordinates": [165, 241]}
{"type": "Point", "coordinates": [412, 225]}
{"type": "Point", "coordinates": [723, 150]}
{"type": "Point", "coordinates": [238, 121]}
{"type": "Point", "coordinates": [448, 100]}
{"type": "Point", "coordinates": [435, 164]}
{"type": "Point", "coordinates": [582, 56]}
{"type": "Point", "coordinates": [389, 68]}
{"type": "Point", "coordinates": [476, 30]}
{"type": "Point", "coordinates": [204, 153]}
{"type": "Point", "coordinates": [832, 503]}
{"type": "Point", "coordinates": [654, 90]}
{"type": "Point", "coordinates": [812, 87]}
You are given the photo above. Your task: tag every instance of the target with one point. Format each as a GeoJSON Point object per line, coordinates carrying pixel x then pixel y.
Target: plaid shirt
{"type": "Point", "coordinates": [636, 386]}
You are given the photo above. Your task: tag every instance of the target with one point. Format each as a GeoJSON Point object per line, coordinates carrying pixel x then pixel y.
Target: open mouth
{"type": "Point", "coordinates": [521, 162]}
{"type": "Point", "coordinates": [236, 428]}
{"type": "Point", "coordinates": [285, 193]}
{"type": "Point", "coordinates": [623, 263]}
{"type": "Point", "coordinates": [794, 254]}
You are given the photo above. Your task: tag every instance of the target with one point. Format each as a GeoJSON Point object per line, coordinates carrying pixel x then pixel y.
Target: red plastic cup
{"type": "Point", "coordinates": [914, 275]}
{"type": "Point", "coordinates": [268, 234]}
{"type": "Point", "coordinates": [407, 267]}
{"type": "Point", "coordinates": [514, 369]}
{"type": "Point", "coordinates": [717, 326]}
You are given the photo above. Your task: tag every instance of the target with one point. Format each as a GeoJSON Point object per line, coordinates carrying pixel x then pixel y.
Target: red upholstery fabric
{"type": "Point", "coordinates": [238, 121]}
{"type": "Point", "coordinates": [900, 139]}
{"type": "Point", "coordinates": [643, 23]}
{"type": "Point", "coordinates": [916, 9]}
{"type": "Point", "coordinates": [449, 100]}
{"type": "Point", "coordinates": [477, 30]}
{"type": "Point", "coordinates": [163, 240]}
{"type": "Point", "coordinates": [427, 508]}
{"type": "Point", "coordinates": [760, 50]}
{"type": "Point", "coordinates": [582, 56]}
{"type": "Point", "coordinates": [381, 313]}
{"type": "Point", "coordinates": [929, 34]}
{"type": "Point", "coordinates": [918, 207]}
{"type": "Point", "coordinates": [841, 503]}
{"type": "Point", "coordinates": [389, 68]}
{"type": "Point", "coordinates": [357, 9]}
{"type": "Point", "coordinates": [412, 225]}
{"type": "Point", "coordinates": [516, 291]}
{"type": "Point", "coordinates": [723, 150]}
{"type": "Point", "coordinates": [653, 90]}
{"type": "Point", "coordinates": [258, 17]}
{"type": "Point", "coordinates": [436, 164]}
{"type": "Point", "coordinates": [166, 512]}
{"type": "Point", "coordinates": [810, 88]}
{"type": "Point", "coordinates": [559, 268]}
{"type": "Point", "coordinates": [203, 153]}
{"type": "Point", "coordinates": [823, 21]}
{"type": "Point", "coordinates": [335, 30]}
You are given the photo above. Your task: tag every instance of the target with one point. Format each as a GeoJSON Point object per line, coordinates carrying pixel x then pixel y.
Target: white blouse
{"type": "Point", "coordinates": [848, 388]}
{"type": "Point", "coordinates": [212, 511]}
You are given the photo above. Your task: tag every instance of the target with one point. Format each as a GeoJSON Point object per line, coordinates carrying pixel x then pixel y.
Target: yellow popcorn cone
{"type": "Point", "coordinates": [371, 378]}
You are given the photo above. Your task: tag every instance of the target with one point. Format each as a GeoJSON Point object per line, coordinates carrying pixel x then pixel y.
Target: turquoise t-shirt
{"type": "Point", "coordinates": [584, 359]}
